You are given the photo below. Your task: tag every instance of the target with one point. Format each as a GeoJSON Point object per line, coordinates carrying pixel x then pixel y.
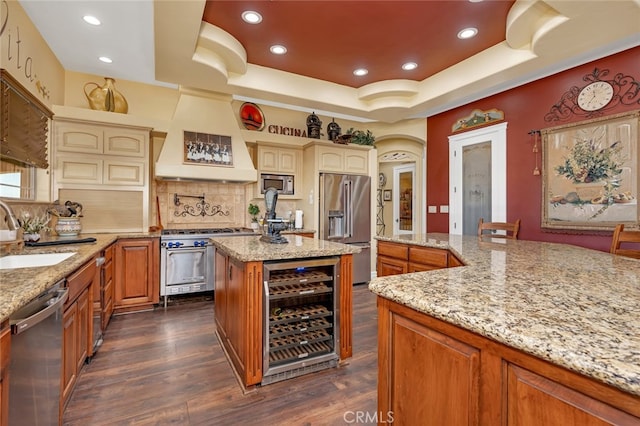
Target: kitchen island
{"type": "Point", "coordinates": [524, 333]}
{"type": "Point", "coordinates": [242, 314]}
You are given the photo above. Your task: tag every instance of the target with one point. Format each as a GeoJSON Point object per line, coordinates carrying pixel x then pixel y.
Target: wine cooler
{"type": "Point", "coordinates": [301, 328]}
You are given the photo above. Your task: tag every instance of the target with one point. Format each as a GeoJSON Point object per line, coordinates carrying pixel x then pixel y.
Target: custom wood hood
{"type": "Point", "coordinates": [204, 112]}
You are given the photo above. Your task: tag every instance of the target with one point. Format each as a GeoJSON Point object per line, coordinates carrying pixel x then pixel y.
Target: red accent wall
{"type": "Point", "coordinates": [524, 110]}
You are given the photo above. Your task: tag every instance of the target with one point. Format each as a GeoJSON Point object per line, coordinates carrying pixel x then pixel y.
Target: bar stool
{"type": "Point", "coordinates": [488, 229]}
{"type": "Point", "coordinates": [625, 243]}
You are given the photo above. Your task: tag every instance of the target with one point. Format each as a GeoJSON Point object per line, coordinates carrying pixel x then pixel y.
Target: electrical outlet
{"type": "Point", "coordinates": [444, 209]}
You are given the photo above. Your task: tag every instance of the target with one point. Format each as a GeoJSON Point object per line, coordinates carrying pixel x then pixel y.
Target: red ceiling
{"type": "Point", "coordinates": [327, 40]}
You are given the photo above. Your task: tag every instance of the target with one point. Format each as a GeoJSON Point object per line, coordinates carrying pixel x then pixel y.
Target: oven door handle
{"type": "Point", "coordinates": [171, 252]}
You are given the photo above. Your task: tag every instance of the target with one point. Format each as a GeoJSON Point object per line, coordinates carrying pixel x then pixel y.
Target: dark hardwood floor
{"type": "Point", "coordinates": [167, 367]}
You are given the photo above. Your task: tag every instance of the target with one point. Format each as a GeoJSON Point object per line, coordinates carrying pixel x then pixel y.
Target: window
{"type": "Point", "coordinates": [17, 181]}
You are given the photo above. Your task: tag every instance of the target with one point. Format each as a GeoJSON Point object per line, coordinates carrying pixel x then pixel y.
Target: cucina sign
{"type": "Point", "coordinates": [288, 131]}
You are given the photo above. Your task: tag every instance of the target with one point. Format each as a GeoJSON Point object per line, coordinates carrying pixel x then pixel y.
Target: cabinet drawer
{"type": "Point", "coordinates": [123, 173]}
{"type": "Point", "coordinates": [356, 162]}
{"type": "Point", "coordinates": [80, 280]}
{"type": "Point", "coordinates": [125, 142]}
{"type": "Point", "coordinates": [76, 137]}
{"type": "Point", "coordinates": [76, 169]}
{"type": "Point", "coordinates": [429, 256]}
{"type": "Point", "coordinates": [108, 271]}
{"type": "Point", "coordinates": [108, 253]}
{"type": "Point", "coordinates": [331, 160]}
{"type": "Point", "coordinates": [399, 251]}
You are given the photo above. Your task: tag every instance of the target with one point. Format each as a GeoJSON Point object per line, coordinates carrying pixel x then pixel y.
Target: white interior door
{"type": "Point", "coordinates": [477, 189]}
{"type": "Point", "coordinates": [404, 197]}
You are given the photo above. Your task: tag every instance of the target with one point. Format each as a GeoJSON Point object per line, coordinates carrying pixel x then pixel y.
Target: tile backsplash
{"type": "Point", "coordinates": [182, 204]}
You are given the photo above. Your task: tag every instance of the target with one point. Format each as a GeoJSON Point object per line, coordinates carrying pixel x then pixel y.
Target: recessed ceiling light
{"type": "Point", "coordinates": [278, 49]}
{"type": "Point", "coordinates": [360, 72]}
{"type": "Point", "coordinates": [468, 33]}
{"type": "Point", "coordinates": [251, 17]}
{"type": "Point", "coordinates": [409, 66]}
{"type": "Point", "coordinates": [105, 59]}
{"type": "Point", "coordinates": [91, 20]}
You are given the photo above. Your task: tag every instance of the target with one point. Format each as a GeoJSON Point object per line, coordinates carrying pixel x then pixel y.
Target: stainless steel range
{"type": "Point", "coordinates": [187, 259]}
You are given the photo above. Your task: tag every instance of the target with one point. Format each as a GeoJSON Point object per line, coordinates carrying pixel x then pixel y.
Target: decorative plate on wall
{"type": "Point", "coordinates": [251, 116]}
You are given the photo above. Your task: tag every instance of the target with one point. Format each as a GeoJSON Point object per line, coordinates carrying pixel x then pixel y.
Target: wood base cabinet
{"type": "Point", "coordinates": [434, 373]}
{"type": "Point", "coordinates": [5, 345]}
{"type": "Point", "coordinates": [238, 311]}
{"type": "Point", "coordinates": [137, 274]}
{"type": "Point", "coordinates": [396, 258]}
{"type": "Point", "coordinates": [108, 288]}
{"type": "Point", "coordinates": [240, 319]}
{"type": "Point", "coordinates": [77, 343]}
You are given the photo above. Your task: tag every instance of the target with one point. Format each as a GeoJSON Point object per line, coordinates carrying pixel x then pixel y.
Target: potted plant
{"type": "Point", "coordinates": [67, 218]}
{"type": "Point", "coordinates": [254, 211]}
{"type": "Point", "coordinates": [360, 137]}
{"type": "Point", "coordinates": [33, 225]}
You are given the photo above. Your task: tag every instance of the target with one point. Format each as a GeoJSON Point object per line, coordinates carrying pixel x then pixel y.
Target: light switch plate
{"type": "Point", "coordinates": [433, 209]}
{"type": "Point", "coordinates": [444, 209]}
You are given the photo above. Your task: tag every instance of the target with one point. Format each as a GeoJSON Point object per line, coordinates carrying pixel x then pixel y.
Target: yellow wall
{"type": "Point", "coordinates": [146, 102]}
{"type": "Point", "coordinates": [26, 56]}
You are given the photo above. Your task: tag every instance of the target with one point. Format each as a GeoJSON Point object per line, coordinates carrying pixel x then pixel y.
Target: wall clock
{"type": "Point", "coordinates": [595, 96]}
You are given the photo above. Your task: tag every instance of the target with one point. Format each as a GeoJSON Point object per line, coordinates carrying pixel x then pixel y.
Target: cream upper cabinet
{"type": "Point", "coordinates": [281, 160]}
{"type": "Point", "coordinates": [343, 159]}
{"type": "Point", "coordinates": [98, 139]}
{"type": "Point", "coordinates": [126, 143]}
{"type": "Point", "coordinates": [96, 163]}
{"type": "Point", "coordinates": [88, 153]}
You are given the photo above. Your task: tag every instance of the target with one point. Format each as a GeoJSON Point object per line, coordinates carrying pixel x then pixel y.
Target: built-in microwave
{"type": "Point", "coordinates": [283, 183]}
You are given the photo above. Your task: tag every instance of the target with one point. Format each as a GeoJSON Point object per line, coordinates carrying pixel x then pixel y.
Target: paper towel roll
{"type": "Point", "coordinates": [298, 219]}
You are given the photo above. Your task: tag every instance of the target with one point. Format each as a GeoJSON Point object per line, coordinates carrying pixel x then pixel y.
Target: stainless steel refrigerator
{"type": "Point", "coordinates": [345, 217]}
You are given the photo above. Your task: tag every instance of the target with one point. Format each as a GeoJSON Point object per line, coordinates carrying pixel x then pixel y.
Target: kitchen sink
{"type": "Point", "coordinates": [33, 260]}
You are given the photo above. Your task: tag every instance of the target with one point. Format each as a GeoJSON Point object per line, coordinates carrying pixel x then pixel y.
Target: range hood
{"type": "Point", "coordinates": [204, 112]}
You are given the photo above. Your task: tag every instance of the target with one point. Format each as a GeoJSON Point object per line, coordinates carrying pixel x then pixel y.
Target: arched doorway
{"type": "Point", "coordinates": [400, 153]}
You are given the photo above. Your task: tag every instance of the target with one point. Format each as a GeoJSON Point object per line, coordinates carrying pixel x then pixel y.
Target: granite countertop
{"type": "Point", "coordinates": [575, 307]}
{"type": "Point", "coordinates": [21, 285]}
{"type": "Point", "coordinates": [299, 231]}
{"type": "Point", "coordinates": [251, 249]}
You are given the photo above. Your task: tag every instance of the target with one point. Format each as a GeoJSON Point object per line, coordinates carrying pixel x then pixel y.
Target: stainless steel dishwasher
{"type": "Point", "coordinates": [36, 359]}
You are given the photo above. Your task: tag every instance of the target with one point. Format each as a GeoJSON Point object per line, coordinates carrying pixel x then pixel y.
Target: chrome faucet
{"type": "Point", "coordinates": [10, 217]}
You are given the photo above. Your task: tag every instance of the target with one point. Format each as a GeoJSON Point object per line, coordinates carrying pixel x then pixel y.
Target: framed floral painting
{"type": "Point", "coordinates": [590, 173]}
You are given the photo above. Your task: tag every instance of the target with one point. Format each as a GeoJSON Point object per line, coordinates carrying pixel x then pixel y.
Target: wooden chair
{"type": "Point", "coordinates": [625, 243]}
{"type": "Point", "coordinates": [487, 229]}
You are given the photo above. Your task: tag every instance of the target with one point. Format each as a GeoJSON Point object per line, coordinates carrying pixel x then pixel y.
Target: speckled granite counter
{"type": "Point", "coordinates": [251, 249]}
{"type": "Point", "coordinates": [575, 307]}
{"type": "Point", "coordinates": [299, 231]}
{"type": "Point", "coordinates": [19, 286]}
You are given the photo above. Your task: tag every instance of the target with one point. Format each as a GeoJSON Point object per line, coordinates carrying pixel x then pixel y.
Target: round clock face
{"type": "Point", "coordinates": [595, 96]}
